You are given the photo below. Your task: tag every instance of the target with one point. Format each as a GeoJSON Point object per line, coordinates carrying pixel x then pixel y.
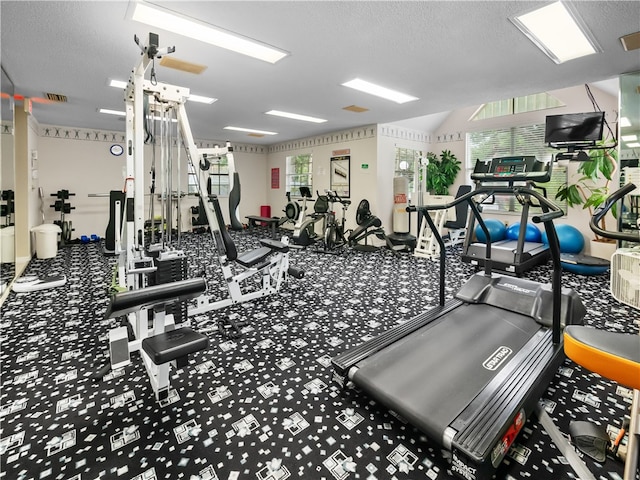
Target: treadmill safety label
{"type": "Point", "coordinates": [502, 447]}
{"type": "Point", "coordinates": [462, 469]}
{"type": "Point", "coordinates": [497, 358]}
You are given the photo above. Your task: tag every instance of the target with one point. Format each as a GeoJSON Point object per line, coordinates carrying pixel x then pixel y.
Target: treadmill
{"type": "Point", "coordinates": [509, 256]}
{"type": "Point", "coordinates": [469, 372]}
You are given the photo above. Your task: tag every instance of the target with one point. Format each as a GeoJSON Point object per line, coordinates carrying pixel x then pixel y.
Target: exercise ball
{"type": "Point", "coordinates": [532, 233]}
{"type": "Point", "coordinates": [496, 230]}
{"type": "Point", "coordinates": [569, 238]}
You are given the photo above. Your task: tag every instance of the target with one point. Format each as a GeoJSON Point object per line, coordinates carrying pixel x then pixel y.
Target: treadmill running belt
{"type": "Point", "coordinates": [429, 377]}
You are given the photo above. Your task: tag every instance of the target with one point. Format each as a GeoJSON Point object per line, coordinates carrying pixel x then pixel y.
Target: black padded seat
{"type": "Point", "coordinates": [461, 210]}
{"type": "Point", "coordinates": [253, 257]}
{"type": "Point", "coordinates": [174, 344]}
{"type": "Point", "coordinates": [275, 245]}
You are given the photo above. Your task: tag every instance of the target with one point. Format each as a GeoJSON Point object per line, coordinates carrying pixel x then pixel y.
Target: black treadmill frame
{"type": "Point", "coordinates": [474, 453]}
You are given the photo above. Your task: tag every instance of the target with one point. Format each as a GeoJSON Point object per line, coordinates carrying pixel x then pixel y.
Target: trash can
{"type": "Point", "coordinates": [7, 245]}
{"type": "Point", "coordinates": [265, 211]}
{"type": "Point", "coordinates": [46, 240]}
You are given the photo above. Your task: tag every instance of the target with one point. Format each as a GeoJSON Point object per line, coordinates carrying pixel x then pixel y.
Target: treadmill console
{"type": "Point", "coordinates": [510, 169]}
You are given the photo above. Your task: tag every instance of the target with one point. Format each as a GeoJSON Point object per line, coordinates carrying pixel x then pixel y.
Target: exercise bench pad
{"type": "Point", "coordinates": [133, 300]}
{"type": "Point", "coordinates": [171, 345]}
{"type": "Point", "coordinates": [615, 356]}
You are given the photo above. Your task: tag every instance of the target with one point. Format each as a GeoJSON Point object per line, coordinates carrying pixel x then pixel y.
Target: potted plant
{"type": "Point", "coordinates": [589, 190]}
{"type": "Point", "coordinates": [441, 172]}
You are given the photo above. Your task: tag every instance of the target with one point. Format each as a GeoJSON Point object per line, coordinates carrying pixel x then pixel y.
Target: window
{"type": "Point", "coordinates": [299, 173]}
{"type": "Point", "coordinates": [218, 177]}
{"type": "Point", "coordinates": [523, 140]}
{"type": "Point", "coordinates": [407, 161]}
{"type": "Point", "coordinates": [510, 106]}
{"type": "Point", "coordinates": [192, 179]}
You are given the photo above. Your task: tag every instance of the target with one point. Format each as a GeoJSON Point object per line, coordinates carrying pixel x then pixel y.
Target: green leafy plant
{"type": "Point", "coordinates": [441, 172]}
{"type": "Point", "coordinates": [588, 190]}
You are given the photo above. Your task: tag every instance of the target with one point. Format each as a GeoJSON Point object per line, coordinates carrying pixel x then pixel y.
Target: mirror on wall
{"type": "Point", "coordinates": [629, 145]}
{"type": "Point", "coordinates": [7, 182]}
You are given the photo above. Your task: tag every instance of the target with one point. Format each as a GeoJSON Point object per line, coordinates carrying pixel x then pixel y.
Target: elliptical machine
{"type": "Point", "coordinates": [304, 233]}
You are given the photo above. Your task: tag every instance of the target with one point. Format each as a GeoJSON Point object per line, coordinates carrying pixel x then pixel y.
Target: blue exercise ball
{"type": "Point", "coordinates": [532, 233]}
{"type": "Point", "coordinates": [496, 230]}
{"type": "Point", "coordinates": [569, 238]}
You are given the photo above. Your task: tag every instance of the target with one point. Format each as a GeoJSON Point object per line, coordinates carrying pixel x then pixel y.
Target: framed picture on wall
{"type": "Point", "coordinates": [340, 175]}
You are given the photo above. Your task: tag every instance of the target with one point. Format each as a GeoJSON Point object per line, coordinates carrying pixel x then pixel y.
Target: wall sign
{"type": "Point", "coordinates": [275, 178]}
{"type": "Point", "coordinates": [340, 175]}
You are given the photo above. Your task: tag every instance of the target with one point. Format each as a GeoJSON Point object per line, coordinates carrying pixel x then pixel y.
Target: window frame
{"type": "Point", "coordinates": [301, 162]}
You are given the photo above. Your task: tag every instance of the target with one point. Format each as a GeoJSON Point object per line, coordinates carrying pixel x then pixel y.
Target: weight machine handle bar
{"type": "Point", "coordinates": [602, 210]}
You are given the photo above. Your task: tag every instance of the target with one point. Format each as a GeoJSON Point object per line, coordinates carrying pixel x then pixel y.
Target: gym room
{"type": "Point", "coordinates": [328, 240]}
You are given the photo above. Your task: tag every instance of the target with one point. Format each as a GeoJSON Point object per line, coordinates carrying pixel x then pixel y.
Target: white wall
{"type": "Point", "coordinates": [362, 145]}
{"type": "Point", "coordinates": [391, 137]}
{"type": "Point", "coordinates": [80, 161]}
{"type": "Point", "coordinates": [83, 165]}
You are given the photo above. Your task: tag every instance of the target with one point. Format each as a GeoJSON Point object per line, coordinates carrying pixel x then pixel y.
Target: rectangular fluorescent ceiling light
{"type": "Point", "coordinates": [378, 91]}
{"type": "Point", "coordinates": [624, 122]}
{"type": "Point", "coordinates": [118, 84]}
{"type": "Point", "coordinates": [250, 130]}
{"type": "Point", "coordinates": [556, 31]}
{"type": "Point", "coordinates": [112, 112]}
{"type": "Point", "coordinates": [189, 27]}
{"type": "Point", "coordinates": [201, 99]}
{"type": "Point", "coordinates": [295, 116]}
{"type": "Point", "coordinates": [192, 97]}
{"type": "Point", "coordinates": [629, 138]}
{"type": "Point", "coordinates": [633, 145]}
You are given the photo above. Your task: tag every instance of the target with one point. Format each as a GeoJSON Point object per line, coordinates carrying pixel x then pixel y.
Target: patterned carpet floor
{"type": "Point", "coordinates": [261, 406]}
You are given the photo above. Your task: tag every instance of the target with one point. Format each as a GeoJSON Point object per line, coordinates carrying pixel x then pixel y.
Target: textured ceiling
{"type": "Point", "coordinates": [449, 54]}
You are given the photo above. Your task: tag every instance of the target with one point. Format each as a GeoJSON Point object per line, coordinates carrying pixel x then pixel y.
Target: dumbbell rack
{"type": "Point", "coordinates": [7, 209]}
{"type": "Point", "coordinates": [61, 205]}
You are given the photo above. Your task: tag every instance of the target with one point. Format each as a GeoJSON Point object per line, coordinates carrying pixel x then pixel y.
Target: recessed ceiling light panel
{"type": "Point", "coordinates": [117, 83]}
{"type": "Point", "coordinates": [295, 116]}
{"type": "Point", "coordinates": [249, 130]}
{"type": "Point", "coordinates": [190, 27]}
{"type": "Point", "coordinates": [379, 91]}
{"type": "Point", "coordinates": [558, 32]}
{"type": "Point", "coordinates": [112, 112]}
{"type": "Point", "coordinates": [201, 99]}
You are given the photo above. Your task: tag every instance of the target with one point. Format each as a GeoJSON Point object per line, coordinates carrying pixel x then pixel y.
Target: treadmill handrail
{"type": "Point", "coordinates": [602, 210]}
{"type": "Point", "coordinates": [550, 212]}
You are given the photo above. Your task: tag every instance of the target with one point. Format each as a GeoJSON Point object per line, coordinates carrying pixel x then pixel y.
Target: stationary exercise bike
{"type": "Point", "coordinates": [334, 231]}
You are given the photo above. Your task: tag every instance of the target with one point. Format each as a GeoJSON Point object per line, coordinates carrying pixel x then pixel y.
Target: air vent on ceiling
{"type": "Point", "coordinates": [355, 108]}
{"type": "Point", "coordinates": [631, 41]}
{"type": "Point", "coordinates": [56, 97]}
{"type": "Point", "coordinates": [182, 65]}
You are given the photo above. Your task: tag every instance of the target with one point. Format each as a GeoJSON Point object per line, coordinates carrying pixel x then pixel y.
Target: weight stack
{"type": "Point", "coordinates": [171, 267]}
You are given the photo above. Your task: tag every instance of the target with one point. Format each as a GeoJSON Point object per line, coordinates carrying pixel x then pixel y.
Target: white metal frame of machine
{"type": "Point", "coordinates": [168, 101]}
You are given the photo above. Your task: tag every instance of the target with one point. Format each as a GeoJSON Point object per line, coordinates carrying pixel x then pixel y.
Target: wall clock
{"type": "Point", "coordinates": [116, 150]}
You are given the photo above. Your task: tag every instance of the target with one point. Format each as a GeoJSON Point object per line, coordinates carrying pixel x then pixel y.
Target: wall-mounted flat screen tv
{"type": "Point", "coordinates": [574, 128]}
